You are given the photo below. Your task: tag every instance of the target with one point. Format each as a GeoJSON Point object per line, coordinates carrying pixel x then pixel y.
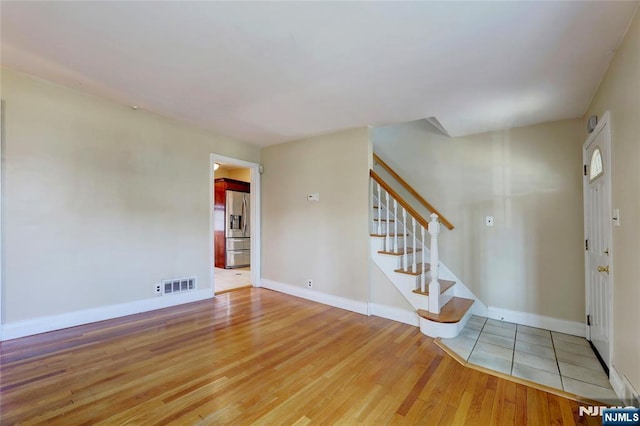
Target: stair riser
{"type": "Point", "coordinates": [446, 297]}
{"type": "Point", "coordinates": [398, 259]}
{"type": "Point", "coordinates": [418, 300]}
{"type": "Point", "coordinates": [378, 244]}
{"type": "Point", "coordinates": [414, 282]}
{"type": "Point", "coordinates": [383, 227]}
{"type": "Point", "coordinates": [391, 263]}
{"type": "Point", "coordinates": [383, 214]}
{"type": "Point", "coordinates": [444, 330]}
{"type": "Point", "coordinates": [388, 262]}
{"type": "Point", "coordinates": [390, 243]}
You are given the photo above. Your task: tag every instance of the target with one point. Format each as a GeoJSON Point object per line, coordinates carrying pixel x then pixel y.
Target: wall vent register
{"type": "Point", "coordinates": [179, 285]}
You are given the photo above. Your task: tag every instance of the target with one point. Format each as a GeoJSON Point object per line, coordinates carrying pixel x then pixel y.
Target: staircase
{"type": "Point", "coordinates": [399, 237]}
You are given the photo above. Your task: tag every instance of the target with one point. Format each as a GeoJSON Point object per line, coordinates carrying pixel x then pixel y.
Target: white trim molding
{"type": "Point", "coordinates": [404, 316]}
{"type": "Point", "coordinates": [71, 319]}
{"type": "Point", "coordinates": [255, 197]}
{"type": "Point", "coordinates": [623, 388]}
{"type": "Point", "coordinates": [2, 142]}
{"type": "Point", "coordinates": [574, 328]}
{"type": "Point", "coordinates": [316, 296]}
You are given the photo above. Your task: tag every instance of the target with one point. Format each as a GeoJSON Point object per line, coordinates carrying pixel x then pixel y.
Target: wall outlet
{"type": "Point", "coordinates": [309, 283]}
{"type": "Point", "coordinates": [157, 288]}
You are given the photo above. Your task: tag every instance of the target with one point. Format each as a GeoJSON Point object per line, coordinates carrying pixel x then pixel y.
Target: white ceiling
{"type": "Point", "coordinates": [268, 72]}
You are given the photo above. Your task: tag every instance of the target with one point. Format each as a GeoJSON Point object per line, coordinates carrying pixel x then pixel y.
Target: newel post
{"type": "Point", "coordinates": [434, 285]}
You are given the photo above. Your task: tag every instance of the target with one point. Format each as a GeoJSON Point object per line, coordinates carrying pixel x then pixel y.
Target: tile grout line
{"type": "Point", "coordinates": [555, 355]}
{"type": "Point", "coordinates": [513, 352]}
{"type": "Point", "coordinates": [576, 365]}
{"type": "Point", "coordinates": [477, 339]}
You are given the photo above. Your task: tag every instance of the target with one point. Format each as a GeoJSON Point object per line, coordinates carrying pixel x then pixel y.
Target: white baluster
{"type": "Point", "coordinates": [395, 226]}
{"type": "Point", "coordinates": [413, 266]}
{"type": "Point", "coordinates": [373, 211]}
{"type": "Point", "coordinates": [387, 240]}
{"type": "Point", "coordinates": [423, 285]}
{"type": "Point", "coordinates": [434, 285]}
{"type": "Point", "coordinates": [379, 212]}
{"type": "Point", "coordinates": [404, 235]}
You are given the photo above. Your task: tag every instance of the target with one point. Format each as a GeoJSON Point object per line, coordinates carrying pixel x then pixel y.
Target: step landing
{"type": "Point", "coordinates": [452, 312]}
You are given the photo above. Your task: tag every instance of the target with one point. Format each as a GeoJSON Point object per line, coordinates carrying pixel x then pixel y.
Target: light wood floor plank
{"type": "Point", "coordinates": [255, 356]}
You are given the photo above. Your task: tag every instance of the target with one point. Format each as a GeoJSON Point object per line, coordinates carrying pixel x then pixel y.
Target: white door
{"type": "Point", "coordinates": [598, 250]}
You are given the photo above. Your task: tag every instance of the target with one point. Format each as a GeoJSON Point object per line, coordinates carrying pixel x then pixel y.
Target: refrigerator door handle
{"type": "Point", "coordinates": [244, 219]}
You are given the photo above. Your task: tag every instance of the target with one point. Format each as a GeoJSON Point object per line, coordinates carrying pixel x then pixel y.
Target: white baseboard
{"type": "Point", "coordinates": [316, 296]}
{"type": "Point", "coordinates": [617, 384]}
{"type": "Point", "coordinates": [395, 314]}
{"type": "Point", "coordinates": [71, 319]}
{"type": "Point", "coordinates": [623, 388]}
{"type": "Point", "coordinates": [540, 321]}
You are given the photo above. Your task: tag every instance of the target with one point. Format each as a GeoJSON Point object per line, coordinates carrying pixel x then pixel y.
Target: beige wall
{"type": "Point", "coordinates": [99, 201]}
{"type": "Point", "coordinates": [384, 292]}
{"type": "Point", "coordinates": [529, 180]}
{"type": "Point", "coordinates": [619, 93]}
{"type": "Point", "coordinates": [326, 241]}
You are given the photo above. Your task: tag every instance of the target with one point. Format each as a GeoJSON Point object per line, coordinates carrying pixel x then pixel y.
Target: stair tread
{"type": "Point", "coordinates": [391, 235]}
{"type": "Point", "coordinates": [400, 252]}
{"type": "Point", "coordinates": [383, 220]}
{"type": "Point", "coordinates": [444, 286]}
{"type": "Point", "coordinates": [452, 312]}
{"type": "Point", "coordinates": [410, 272]}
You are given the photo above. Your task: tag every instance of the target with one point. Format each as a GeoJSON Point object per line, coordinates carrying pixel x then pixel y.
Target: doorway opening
{"type": "Point", "coordinates": [234, 224]}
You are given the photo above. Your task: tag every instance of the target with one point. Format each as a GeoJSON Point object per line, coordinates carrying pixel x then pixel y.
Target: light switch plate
{"type": "Point", "coordinates": [489, 220]}
{"type": "Point", "coordinates": [313, 197]}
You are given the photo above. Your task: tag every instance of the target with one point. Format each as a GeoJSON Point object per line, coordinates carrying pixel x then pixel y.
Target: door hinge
{"type": "Point", "coordinates": [588, 319]}
{"type": "Point", "coordinates": [586, 245]}
{"type": "Point", "coordinates": [584, 169]}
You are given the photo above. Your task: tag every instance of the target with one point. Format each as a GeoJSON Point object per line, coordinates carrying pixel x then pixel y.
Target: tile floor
{"type": "Point", "coordinates": [227, 279]}
{"type": "Point", "coordinates": [550, 358]}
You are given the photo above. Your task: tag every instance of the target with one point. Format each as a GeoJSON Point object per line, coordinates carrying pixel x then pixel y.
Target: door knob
{"type": "Point", "coordinates": [603, 269]}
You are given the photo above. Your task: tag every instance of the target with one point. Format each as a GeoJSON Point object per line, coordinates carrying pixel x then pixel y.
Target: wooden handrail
{"type": "Point", "coordinates": [422, 221]}
{"type": "Point", "coordinates": [412, 191]}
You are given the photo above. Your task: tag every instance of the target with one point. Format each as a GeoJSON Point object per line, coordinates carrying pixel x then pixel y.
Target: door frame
{"type": "Point", "coordinates": [603, 125]}
{"type": "Point", "coordinates": [255, 216]}
{"type": "Point", "coordinates": [2, 147]}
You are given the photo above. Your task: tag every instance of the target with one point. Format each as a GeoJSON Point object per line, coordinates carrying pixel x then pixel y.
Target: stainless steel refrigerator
{"type": "Point", "coordinates": [237, 232]}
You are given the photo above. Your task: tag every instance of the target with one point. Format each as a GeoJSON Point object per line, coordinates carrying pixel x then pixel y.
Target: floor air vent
{"type": "Point", "coordinates": [179, 285]}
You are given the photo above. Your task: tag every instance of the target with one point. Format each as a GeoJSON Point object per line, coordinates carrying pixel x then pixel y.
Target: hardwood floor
{"type": "Point", "coordinates": [255, 356]}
